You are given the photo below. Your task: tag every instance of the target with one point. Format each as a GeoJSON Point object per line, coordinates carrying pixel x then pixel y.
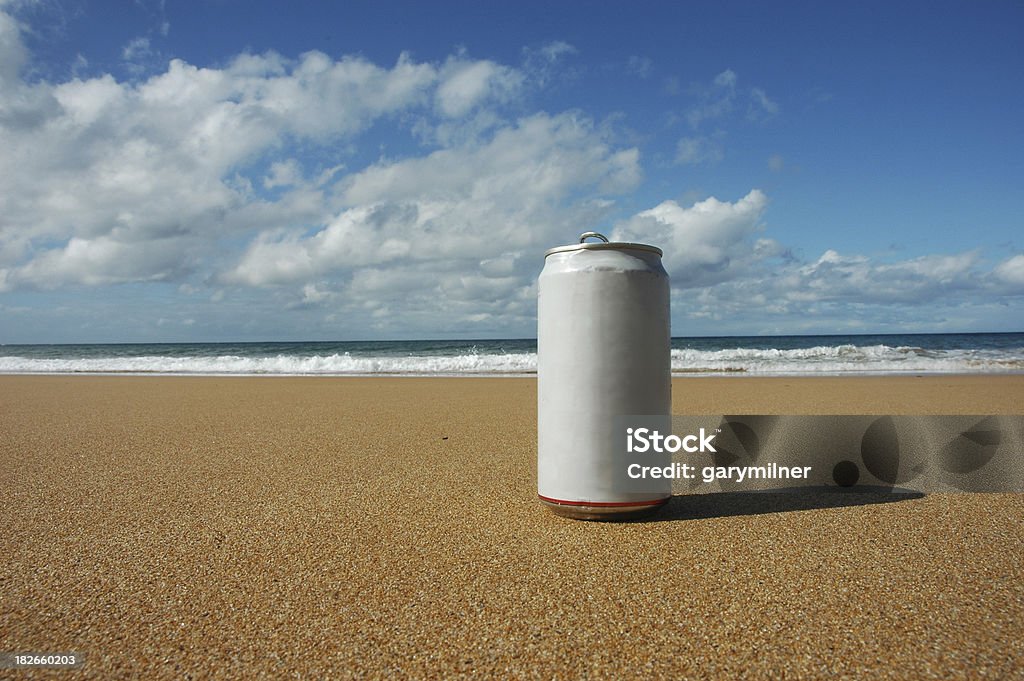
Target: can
{"type": "Point", "coordinates": [603, 354]}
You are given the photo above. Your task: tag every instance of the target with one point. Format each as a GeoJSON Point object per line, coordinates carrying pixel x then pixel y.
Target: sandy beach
{"type": "Point", "coordinates": [179, 527]}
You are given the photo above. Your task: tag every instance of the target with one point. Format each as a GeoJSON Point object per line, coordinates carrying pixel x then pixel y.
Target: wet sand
{"type": "Point", "coordinates": [236, 527]}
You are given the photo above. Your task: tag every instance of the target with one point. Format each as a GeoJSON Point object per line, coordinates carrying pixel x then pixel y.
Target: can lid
{"type": "Point", "coordinates": [602, 245]}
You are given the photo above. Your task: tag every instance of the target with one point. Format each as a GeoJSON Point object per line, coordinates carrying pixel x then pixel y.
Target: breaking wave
{"type": "Point", "coordinates": [841, 359]}
{"type": "Point", "coordinates": [459, 361]}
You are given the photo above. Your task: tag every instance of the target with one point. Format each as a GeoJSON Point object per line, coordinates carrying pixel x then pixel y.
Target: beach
{"type": "Point", "coordinates": [239, 527]}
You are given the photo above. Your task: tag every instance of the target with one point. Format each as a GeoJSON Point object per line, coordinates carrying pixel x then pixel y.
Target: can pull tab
{"type": "Point", "coordinates": [593, 235]}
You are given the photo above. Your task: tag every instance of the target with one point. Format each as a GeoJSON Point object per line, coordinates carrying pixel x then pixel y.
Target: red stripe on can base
{"type": "Point", "coordinates": [603, 504]}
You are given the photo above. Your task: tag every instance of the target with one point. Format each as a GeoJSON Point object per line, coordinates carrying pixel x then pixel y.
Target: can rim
{"type": "Point", "coordinates": [602, 246]}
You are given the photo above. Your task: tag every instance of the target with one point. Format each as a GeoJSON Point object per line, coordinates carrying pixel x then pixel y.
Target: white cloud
{"type": "Point", "coordinates": [443, 241]}
{"type": "Point", "coordinates": [104, 260]}
{"type": "Point", "coordinates": [835, 277]}
{"type": "Point", "coordinates": [286, 173]}
{"type": "Point", "coordinates": [103, 157]}
{"type": "Point", "coordinates": [455, 208]}
{"type": "Point", "coordinates": [540, 156]}
{"type": "Point", "coordinates": [709, 242]}
{"type": "Point", "coordinates": [311, 295]}
{"type": "Point", "coordinates": [849, 291]}
{"type": "Point", "coordinates": [246, 185]}
{"type": "Point", "coordinates": [465, 84]}
{"type": "Point", "coordinates": [1011, 271]}
{"type": "Point", "coordinates": [96, 172]}
{"type": "Point", "coordinates": [722, 267]}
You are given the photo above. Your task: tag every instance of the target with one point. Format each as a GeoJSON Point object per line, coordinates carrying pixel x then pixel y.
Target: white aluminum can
{"type": "Point", "coordinates": [603, 354]}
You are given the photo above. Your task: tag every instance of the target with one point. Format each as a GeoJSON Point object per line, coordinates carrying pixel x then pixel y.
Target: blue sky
{"type": "Point", "coordinates": [245, 171]}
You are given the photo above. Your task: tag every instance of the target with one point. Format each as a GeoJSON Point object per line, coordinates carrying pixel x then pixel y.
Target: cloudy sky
{"type": "Point", "coordinates": [228, 170]}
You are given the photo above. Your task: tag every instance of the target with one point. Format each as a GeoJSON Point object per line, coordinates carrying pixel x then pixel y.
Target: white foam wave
{"type": "Point", "coordinates": [336, 364]}
{"type": "Point", "coordinates": [838, 359]}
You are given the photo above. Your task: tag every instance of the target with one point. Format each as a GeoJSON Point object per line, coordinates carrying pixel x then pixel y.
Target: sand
{"type": "Point", "coordinates": [342, 527]}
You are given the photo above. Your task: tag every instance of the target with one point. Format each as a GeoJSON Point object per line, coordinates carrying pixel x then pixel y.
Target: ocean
{"type": "Point", "coordinates": [958, 353]}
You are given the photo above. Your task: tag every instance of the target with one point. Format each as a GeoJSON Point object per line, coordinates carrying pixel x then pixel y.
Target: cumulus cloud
{"type": "Point", "coordinates": [723, 265]}
{"type": "Point", "coordinates": [249, 186]}
{"type": "Point", "coordinates": [201, 177]}
{"type": "Point", "coordinates": [706, 243]}
{"type": "Point", "coordinates": [97, 172]}
{"type": "Point", "coordinates": [99, 156]}
{"type": "Point", "coordinates": [443, 238]}
{"type": "Point", "coordinates": [462, 206]}
{"type": "Point", "coordinates": [104, 260]}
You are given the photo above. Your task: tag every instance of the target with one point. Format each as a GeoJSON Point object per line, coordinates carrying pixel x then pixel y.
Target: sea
{"type": "Point", "coordinates": [956, 353]}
